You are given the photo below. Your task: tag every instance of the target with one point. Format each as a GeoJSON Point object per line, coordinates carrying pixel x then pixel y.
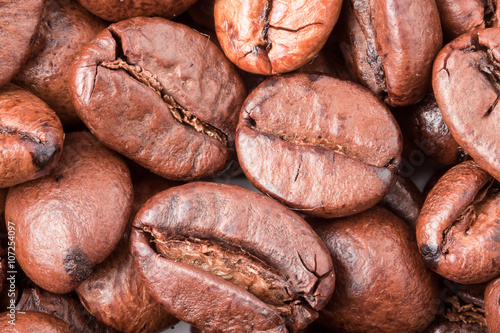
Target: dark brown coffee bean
{"type": "Point", "coordinates": [459, 17]}
{"type": "Point", "coordinates": [320, 145]}
{"type": "Point", "coordinates": [65, 28]}
{"type": "Point", "coordinates": [31, 136]}
{"type": "Point", "coordinates": [468, 66]}
{"type": "Point", "coordinates": [492, 305]}
{"type": "Point", "coordinates": [390, 46]}
{"type": "Point", "coordinates": [161, 94]}
{"type": "Point", "coordinates": [118, 10]}
{"type": "Point", "coordinates": [31, 321]}
{"type": "Point", "coordinates": [426, 131]}
{"type": "Point", "coordinates": [19, 21]}
{"type": "Point", "coordinates": [266, 37]}
{"type": "Point", "coordinates": [65, 307]}
{"type": "Point", "coordinates": [381, 283]}
{"type": "Point", "coordinates": [457, 230]}
{"type": "Point", "coordinates": [404, 200]}
{"type": "Point", "coordinates": [224, 258]}
{"type": "Point", "coordinates": [71, 220]}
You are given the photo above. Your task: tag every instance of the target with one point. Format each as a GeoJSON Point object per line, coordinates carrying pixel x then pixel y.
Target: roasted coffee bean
{"type": "Point", "coordinates": [65, 28]}
{"type": "Point", "coordinates": [271, 37]}
{"type": "Point", "coordinates": [19, 22]}
{"type": "Point", "coordinates": [381, 283]}
{"type": "Point", "coordinates": [459, 17]}
{"type": "Point", "coordinates": [31, 136]}
{"type": "Point", "coordinates": [118, 10]}
{"type": "Point", "coordinates": [492, 305]}
{"type": "Point", "coordinates": [31, 321]}
{"type": "Point", "coordinates": [389, 46]}
{"type": "Point", "coordinates": [161, 94]}
{"type": "Point", "coordinates": [71, 220]}
{"type": "Point", "coordinates": [468, 66]}
{"type": "Point", "coordinates": [306, 141]}
{"type": "Point", "coordinates": [426, 131]}
{"type": "Point", "coordinates": [65, 307]}
{"type": "Point", "coordinates": [224, 258]}
{"type": "Point", "coordinates": [457, 229]}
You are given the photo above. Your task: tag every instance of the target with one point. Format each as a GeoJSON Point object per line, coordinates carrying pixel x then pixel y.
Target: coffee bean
{"type": "Point", "coordinates": [492, 305]}
{"type": "Point", "coordinates": [457, 229]}
{"type": "Point", "coordinates": [468, 66]}
{"type": "Point", "coordinates": [31, 136]}
{"type": "Point", "coordinates": [271, 37]}
{"type": "Point", "coordinates": [306, 141]}
{"type": "Point", "coordinates": [64, 228]}
{"type": "Point", "coordinates": [247, 262]}
{"type": "Point", "coordinates": [390, 46]}
{"type": "Point", "coordinates": [31, 321]}
{"type": "Point", "coordinates": [162, 95]}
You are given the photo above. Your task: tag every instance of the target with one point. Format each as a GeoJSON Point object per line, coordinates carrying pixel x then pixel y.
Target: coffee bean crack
{"type": "Point", "coordinates": [177, 111]}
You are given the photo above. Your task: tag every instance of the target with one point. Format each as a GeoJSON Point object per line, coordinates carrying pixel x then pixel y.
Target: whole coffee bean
{"type": "Point", "coordinates": [266, 37]}
{"type": "Point", "coordinates": [118, 10]}
{"type": "Point", "coordinates": [426, 131]}
{"type": "Point", "coordinates": [19, 21]}
{"type": "Point", "coordinates": [71, 220]}
{"type": "Point", "coordinates": [459, 17]}
{"type": "Point", "coordinates": [65, 28]}
{"type": "Point", "coordinates": [492, 305]}
{"type": "Point", "coordinates": [161, 94]}
{"type": "Point", "coordinates": [65, 307]}
{"type": "Point", "coordinates": [382, 285]}
{"type": "Point", "coordinates": [31, 321]}
{"type": "Point", "coordinates": [223, 258]}
{"type": "Point", "coordinates": [468, 66]}
{"type": "Point", "coordinates": [31, 136]}
{"type": "Point", "coordinates": [457, 229]}
{"type": "Point", "coordinates": [390, 46]}
{"type": "Point", "coordinates": [404, 200]}
{"type": "Point", "coordinates": [320, 145]}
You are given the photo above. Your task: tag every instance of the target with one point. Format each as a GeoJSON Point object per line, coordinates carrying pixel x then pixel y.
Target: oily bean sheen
{"type": "Point", "coordinates": [19, 21]}
{"type": "Point", "coordinates": [459, 17]}
{"type": "Point", "coordinates": [65, 28]}
{"type": "Point", "coordinates": [457, 229]}
{"type": "Point", "coordinates": [381, 283]}
{"type": "Point", "coordinates": [492, 305]}
{"type": "Point", "coordinates": [118, 10]}
{"type": "Point", "coordinates": [161, 94]}
{"type": "Point", "coordinates": [31, 321]}
{"type": "Point", "coordinates": [65, 307]}
{"type": "Point", "coordinates": [468, 66]}
{"type": "Point", "coordinates": [271, 36]}
{"type": "Point", "coordinates": [320, 145]}
{"type": "Point", "coordinates": [390, 45]}
{"type": "Point", "coordinates": [31, 136]}
{"type": "Point", "coordinates": [71, 220]}
{"type": "Point", "coordinates": [223, 258]}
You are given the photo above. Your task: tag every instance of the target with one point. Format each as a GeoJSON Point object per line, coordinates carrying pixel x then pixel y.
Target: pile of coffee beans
{"type": "Point", "coordinates": [249, 166]}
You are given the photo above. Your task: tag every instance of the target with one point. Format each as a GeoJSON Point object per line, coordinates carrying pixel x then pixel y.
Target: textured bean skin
{"type": "Point", "coordinates": [31, 136]}
{"type": "Point", "coordinates": [459, 17]}
{"type": "Point", "coordinates": [457, 232]}
{"type": "Point", "coordinates": [118, 10]}
{"type": "Point", "coordinates": [271, 37]}
{"type": "Point", "coordinates": [492, 305]}
{"type": "Point", "coordinates": [175, 69]}
{"type": "Point", "coordinates": [64, 29]}
{"type": "Point", "coordinates": [381, 283]}
{"type": "Point", "coordinates": [307, 142]}
{"type": "Point", "coordinates": [390, 46]}
{"type": "Point", "coordinates": [72, 219]}
{"type": "Point", "coordinates": [31, 321]}
{"type": "Point", "coordinates": [65, 307]}
{"type": "Point", "coordinates": [19, 21]}
{"type": "Point", "coordinates": [467, 66]}
{"type": "Point", "coordinates": [248, 226]}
